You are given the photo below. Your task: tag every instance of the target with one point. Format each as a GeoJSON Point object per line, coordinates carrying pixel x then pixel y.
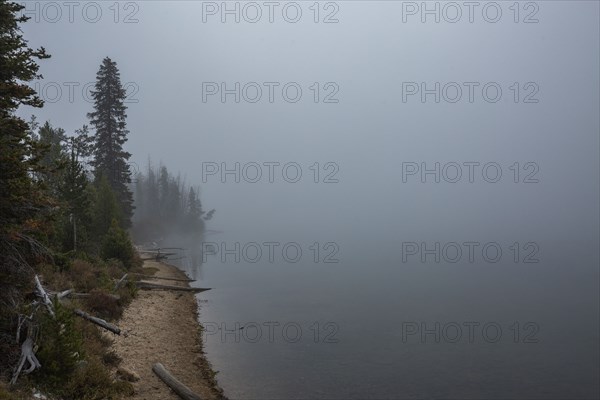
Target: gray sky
{"type": "Point", "coordinates": [370, 132]}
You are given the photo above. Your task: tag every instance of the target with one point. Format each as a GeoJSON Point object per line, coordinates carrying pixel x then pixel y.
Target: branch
{"type": "Point", "coordinates": [45, 298]}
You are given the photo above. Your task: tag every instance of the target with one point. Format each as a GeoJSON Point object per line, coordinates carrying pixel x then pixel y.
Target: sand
{"type": "Point", "coordinates": [162, 326]}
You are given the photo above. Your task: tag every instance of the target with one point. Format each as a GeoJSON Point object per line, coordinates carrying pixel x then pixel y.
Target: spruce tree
{"type": "Point", "coordinates": [22, 204]}
{"type": "Point", "coordinates": [108, 120]}
{"type": "Point", "coordinates": [21, 201]}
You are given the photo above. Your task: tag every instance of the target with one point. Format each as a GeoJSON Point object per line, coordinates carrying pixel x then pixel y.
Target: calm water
{"type": "Point", "coordinates": [369, 310]}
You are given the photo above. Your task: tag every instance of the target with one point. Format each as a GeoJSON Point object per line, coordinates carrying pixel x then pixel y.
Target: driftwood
{"type": "Point", "coordinates": [164, 279]}
{"type": "Point", "coordinates": [98, 321]}
{"type": "Point", "coordinates": [150, 286]}
{"type": "Point", "coordinates": [86, 295]}
{"type": "Point", "coordinates": [182, 391]}
{"type": "Point", "coordinates": [27, 355]}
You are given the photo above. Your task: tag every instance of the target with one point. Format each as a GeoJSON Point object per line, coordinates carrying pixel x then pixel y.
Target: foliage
{"type": "Point", "coordinates": [60, 347]}
{"type": "Point", "coordinates": [24, 206]}
{"type": "Point", "coordinates": [108, 119]}
{"type": "Point", "coordinates": [116, 244]}
{"type": "Point", "coordinates": [166, 205]}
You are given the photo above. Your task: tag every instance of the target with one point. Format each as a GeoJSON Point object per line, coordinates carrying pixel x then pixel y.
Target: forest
{"type": "Point", "coordinates": [70, 210]}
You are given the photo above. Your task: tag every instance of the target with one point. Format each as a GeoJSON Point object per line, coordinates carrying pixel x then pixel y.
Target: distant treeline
{"type": "Point", "coordinates": [166, 206]}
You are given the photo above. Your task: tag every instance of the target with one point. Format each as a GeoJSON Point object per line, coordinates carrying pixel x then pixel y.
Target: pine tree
{"type": "Point", "coordinates": [22, 204]}
{"type": "Point", "coordinates": [53, 159]}
{"type": "Point", "coordinates": [108, 119]}
{"type": "Point", "coordinates": [20, 200]}
{"type": "Point", "coordinates": [106, 208]}
{"type": "Point", "coordinates": [74, 194]}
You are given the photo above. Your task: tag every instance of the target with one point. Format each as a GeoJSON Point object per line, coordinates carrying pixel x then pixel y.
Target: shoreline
{"type": "Point", "coordinates": [162, 326]}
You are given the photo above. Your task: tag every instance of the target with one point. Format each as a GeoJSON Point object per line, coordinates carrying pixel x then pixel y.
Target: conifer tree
{"type": "Point", "coordinates": [109, 122]}
{"type": "Point", "coordinates": [22, 205]}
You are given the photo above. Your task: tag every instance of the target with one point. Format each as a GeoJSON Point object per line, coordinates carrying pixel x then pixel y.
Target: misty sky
{"type": "Point", "coordinates": [370, 131]}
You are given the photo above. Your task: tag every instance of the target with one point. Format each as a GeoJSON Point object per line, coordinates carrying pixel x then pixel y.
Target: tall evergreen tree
{"type": "Point", "coordinates": [20, 199]}
{"type": "Point", "coordinates": [22, 204]}
{"type": "Point", "coordinates": [74, 194]}
{"type": "Point", "coordinates": [108, 119]}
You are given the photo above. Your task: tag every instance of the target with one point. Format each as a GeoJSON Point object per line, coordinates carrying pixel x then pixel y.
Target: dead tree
{"type": "Point", "coordinates": [44, 296]}
{"type": "Point", "coordinates": [27, 355]}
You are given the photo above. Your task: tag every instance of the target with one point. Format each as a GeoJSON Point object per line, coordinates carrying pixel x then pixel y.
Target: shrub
{"type": "Point", "coordinates": [104, 305]}
{"type": "Point", "coordinates": [117, 245]}
{"type": "Point", "coordinates": [60, 347]}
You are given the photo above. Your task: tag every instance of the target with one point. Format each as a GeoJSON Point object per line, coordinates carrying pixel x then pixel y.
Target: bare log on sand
{"type": "Point", "coordinates": [160, 277]}
{"type": "Point", "coordinates": [100, 322]}
{"type": "Point", "coordinates": [151, 286]}
{"type": "Point", "coordinates": [182, 391]}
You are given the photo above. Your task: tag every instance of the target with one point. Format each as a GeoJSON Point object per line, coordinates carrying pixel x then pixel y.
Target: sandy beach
{"type": "Point", "coordinates": [161, 326]}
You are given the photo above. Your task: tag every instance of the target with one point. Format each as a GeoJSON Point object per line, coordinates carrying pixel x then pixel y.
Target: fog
{"type": "Point", "coordinates": [371, 132]}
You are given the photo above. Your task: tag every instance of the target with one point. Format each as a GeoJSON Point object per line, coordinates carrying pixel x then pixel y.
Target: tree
{"type": "Point", "coordinates": [106, 208]}
{"type": "Point", "coordinates": [73, 192]}
{"type": "Point", "coordinates": [53, 159]}
{"type": "Point", "coordinates": [22, 205]}
{"type": "Point", "coordinates": [116, 244]}
{"type": "Point", "coordinates": [108, 120]}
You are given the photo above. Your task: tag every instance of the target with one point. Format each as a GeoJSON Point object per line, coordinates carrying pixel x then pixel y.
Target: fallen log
{"type": "Point", "coordinates": [182, 391]}
{"type": "Point", "coordinates": [86, 295]}
{"type": "Point", "coordinates": [151, 286]}
{"type": "Point", "coordinates": [164, 279]}
{"type": "Point", "coordinates": [108, 326]}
